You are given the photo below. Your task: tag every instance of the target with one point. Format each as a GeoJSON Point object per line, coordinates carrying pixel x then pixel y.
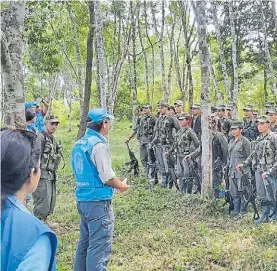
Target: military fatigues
{"type": "Point", "coordinates": [273, 129]}
{"type": "Point", "coordinates": [45, 194]}
{"type": "Point", "coordinates": [263, 159]}
{"type": "Point", "coordinates": [224, 125]}
{"type": "Point", "coordinates": [185, 142]}
{"type": "Point", "coordinates": [250, 130]}
{"type": "Point", "coordinates": [145, 130]}
{"type": "Point", "coordinates": [238, 151]}
{"type": "Point", "coordinates": [162, 142]}
{"type": "Point", "coordinates": [219, 151]}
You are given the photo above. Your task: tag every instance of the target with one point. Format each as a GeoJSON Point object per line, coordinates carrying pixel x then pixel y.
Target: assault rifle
{"type": "Point", "coordinates": [228, 197]}
{"type": "Point", "coordinates": [133, 163]}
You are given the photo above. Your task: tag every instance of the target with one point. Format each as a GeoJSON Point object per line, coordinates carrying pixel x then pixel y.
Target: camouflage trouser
{"type": "Point", "coordinates": [44, 198]}
{"type": "Point", "coordinates": [185, 178]}
{"type": "Point", "coordinates": [161, 160]}
{"type": "Point", "coordinates": [143, 151]}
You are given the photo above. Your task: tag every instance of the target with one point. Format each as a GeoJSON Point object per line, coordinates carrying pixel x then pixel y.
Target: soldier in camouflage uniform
{"type": "Point", "coordinates": [51, 155]}
{"type": "Point", "coordinates": [219, 154]}
{"type": "Point", "coordinates": [179, 107]}
{"type": "Point", "coordinates": [239, 149]}
{"type": "Point", "coordinates": [185, 141]}
{"type": "Point", "coordinates": [229, 112]}
{"type": "Point", "coordinates": [144, 130]}
{"type": "Point", "coordinates": [224, 124]}
{"type": "Point", "coordinates": [272, 116]}
{"type": "Point", "coordinates": [250, 130]}
{"type": "Point", "coordinates": [163, 140]}
{"type": "Point", "coordinates": [263, 158]}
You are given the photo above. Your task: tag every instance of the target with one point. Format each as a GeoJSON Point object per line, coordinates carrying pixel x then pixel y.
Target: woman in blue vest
{"type": "Point", "coordinates": [27, 243]}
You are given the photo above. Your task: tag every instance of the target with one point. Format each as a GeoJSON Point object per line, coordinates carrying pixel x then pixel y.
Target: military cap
{"type": "Point", "coordinates": [195, 106]}
{"type": "Point", "coordinates": [220, 107]}
{"type": "Point", "coordinates": [52, 119]}
{"type": "Point", "coordinates": [248, 107]}
{"type": "Point", "coordinates": [262, 119]}
{"type": "Point", "coordinates": [269, 104]}
{"type": "Point", "coordinates": [255, 112]}
{"type": "Point", "coordinates": [271, 110]}
{"type": "Point", "coordinates": [229, 107]}
{"type": "Point", "coordinates": [183, 116]}
{"type": "Point", "coordinates": [237, 124]}
{"type": "Point", "coordinates": [162, 103]}
{"type": "Point", "coordinates": [179, 102]}
{"type": "Point", "coordinates": [146, 106]}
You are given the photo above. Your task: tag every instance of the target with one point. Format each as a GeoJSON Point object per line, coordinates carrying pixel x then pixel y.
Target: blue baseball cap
{"type": "Point", "coordinates": [30, 104]}
{"type": "Point", "coordinates": [99, 114]}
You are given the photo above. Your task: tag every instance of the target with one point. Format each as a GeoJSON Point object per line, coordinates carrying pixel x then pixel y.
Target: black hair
{"type": "Point", "coordinates": [96, 126]}
{"type": "Point", "coordinates": [20, 153]}
{"type": "Point", "coordinates": [29, 115]}
{"type": "Point", "coordinates": [172, 108]}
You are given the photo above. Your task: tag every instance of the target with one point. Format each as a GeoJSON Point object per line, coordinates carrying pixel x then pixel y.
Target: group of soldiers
{"type": "Point", "coordinates": [244, 153]}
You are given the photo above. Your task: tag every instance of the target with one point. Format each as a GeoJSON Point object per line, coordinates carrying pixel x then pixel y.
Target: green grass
{"type": "Point", "coordinates": [162, 230]}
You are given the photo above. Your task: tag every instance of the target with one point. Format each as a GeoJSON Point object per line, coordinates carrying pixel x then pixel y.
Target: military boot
{"type": "Point", "coordinates": [274, 214]}
{"type": "Point", "coordinates": [236, 202]}
{"type": "Point", "coordinates": [265, 213]}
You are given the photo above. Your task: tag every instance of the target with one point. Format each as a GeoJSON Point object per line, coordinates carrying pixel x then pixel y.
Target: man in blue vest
{"type": "Point", "coordinates": [96, 181]}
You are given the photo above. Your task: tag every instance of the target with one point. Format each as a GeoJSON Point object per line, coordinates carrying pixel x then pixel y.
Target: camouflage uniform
{"type": "Point", "coordinates": [45, 194]}
{"type": "Point", "coordinates": [263, 159]}
{"type": "Point", "coordinates": [238, 151]}
{"type": "Point", "coordinates": [163, 140]}
{"type": "Point", "coordinates": [272, 111]}
{"type": "Point", "coordinates": [145, 130]}
{"type": "Point", "coordinates": [250, 130]}
{"type": "Point", "coordinates": [185, 142]}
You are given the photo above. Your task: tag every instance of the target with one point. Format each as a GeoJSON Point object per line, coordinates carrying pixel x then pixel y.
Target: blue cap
{"type": "Point", "coordinates": [30, 104]}
{"type": "Point", "coordinates": [99, 114]}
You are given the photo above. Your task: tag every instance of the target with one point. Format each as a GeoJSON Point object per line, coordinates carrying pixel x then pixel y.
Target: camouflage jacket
{"type": "Point", "coordinates": [164, 130]}
{"type": "Point", "coordinates": [264, 153]}
{"type": "Point", "coordinates": [145, 128]}
{"type": "Point", "coordinates": [250, 130]}
{"type": "Point", "coordinates": [50, 157]}
{"type": "Point", "coordinates": [185, 142]}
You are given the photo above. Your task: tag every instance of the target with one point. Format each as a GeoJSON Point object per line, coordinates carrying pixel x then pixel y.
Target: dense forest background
{"type": "Point", "coordinates": [121, 54]}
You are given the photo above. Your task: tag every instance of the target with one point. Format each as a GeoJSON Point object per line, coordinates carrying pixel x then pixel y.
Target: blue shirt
{"type": "Point", "coordinates": [38, 257]}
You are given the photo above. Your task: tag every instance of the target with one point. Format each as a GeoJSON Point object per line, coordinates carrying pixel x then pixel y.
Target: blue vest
{"type": "Point", "coordinates": [40, 122]}
{"type": "Point", "coordinates": [19, 232]}
{"type": "Point", "coordinates": [89, 186]}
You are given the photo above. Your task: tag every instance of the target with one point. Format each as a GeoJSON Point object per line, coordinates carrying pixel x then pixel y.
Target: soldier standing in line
{"type": "Point", "coordinates": [239, 149]}
{"type": "Point", "coordinates": [144, 130]}
{"type": "Point", "coordinates": [255, 114]}
{"type": "Point", "coordinates": [163, 140]}
{"type": "Point", "coordinates": [224, 124]}
{"type": "Point", "coordinates": [219, 154]}
{"type": "Point", "coordinates": [179, 107]}
{"type": "Point", "coordinates": [196, 119]}
{"type": "Point", "coordinates": [250, 130]}
{"type": "Point", "coordinates": [51, 154]}
{"type": "Point", "coordinates": [263, 158]}
{"type": "Point", "coordinates": [229, 112]}
{"type": "Point", "coordinates": [185, 142]}
{"type": "Point", "coordinates": [272, 116]}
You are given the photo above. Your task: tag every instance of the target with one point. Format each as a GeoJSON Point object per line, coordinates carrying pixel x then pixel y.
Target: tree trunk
{"type": "Point", "coordinates": [265, 86]}
{"type": "Point", "coordinates": [270, 72]}
{"type": "Point", "coordinates": [184, 13]}
{"type": "Point", "coordinates": [78, 58]}
{"type": "Point", "coordinates": [52, 90]}
{"type": "Point", "coordinates": [12, 47]}
{"type": "Point", "coordinates": [221, 52]}
{"type": "Point", "coordinates": [234, 60]}
{"type": "Point", "coordinates": [145, 60]}
{"type": "Point", "coordinates": [152, 51]}
{"type": "Point", "coordinates": [134, 96]}
{"type": "Point", "coordinates": [160, 37]}
{"type": "Point", "coordinates": [206, 138]}
{"type": "Point", "coordinates": [215, 84]}
{"type": "Point", "coordinates": [100, 53]}
{"type": "Point", "coordinates": [90, 38]}
{"type": "Point", "coordinates": [274, 11]}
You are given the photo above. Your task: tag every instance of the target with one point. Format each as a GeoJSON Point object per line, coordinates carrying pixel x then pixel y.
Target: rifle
{"type": "Point", "coordinates": [134, 165]}
{"type": "Point", "coordinates": [194, 176]}
{"type": "Point", "coordinates": [228, 197]}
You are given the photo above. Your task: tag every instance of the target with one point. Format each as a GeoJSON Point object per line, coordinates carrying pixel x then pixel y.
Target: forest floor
{"type": "Point", "coordinates": [161, 230]}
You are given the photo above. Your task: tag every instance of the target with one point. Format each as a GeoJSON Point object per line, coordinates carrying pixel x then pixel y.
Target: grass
{"type": "Point", "coordinates": [162, 230]}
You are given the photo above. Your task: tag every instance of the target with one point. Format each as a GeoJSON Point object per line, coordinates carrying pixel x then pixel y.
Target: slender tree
{"type": "Point", "coordinates": [12, 51]}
